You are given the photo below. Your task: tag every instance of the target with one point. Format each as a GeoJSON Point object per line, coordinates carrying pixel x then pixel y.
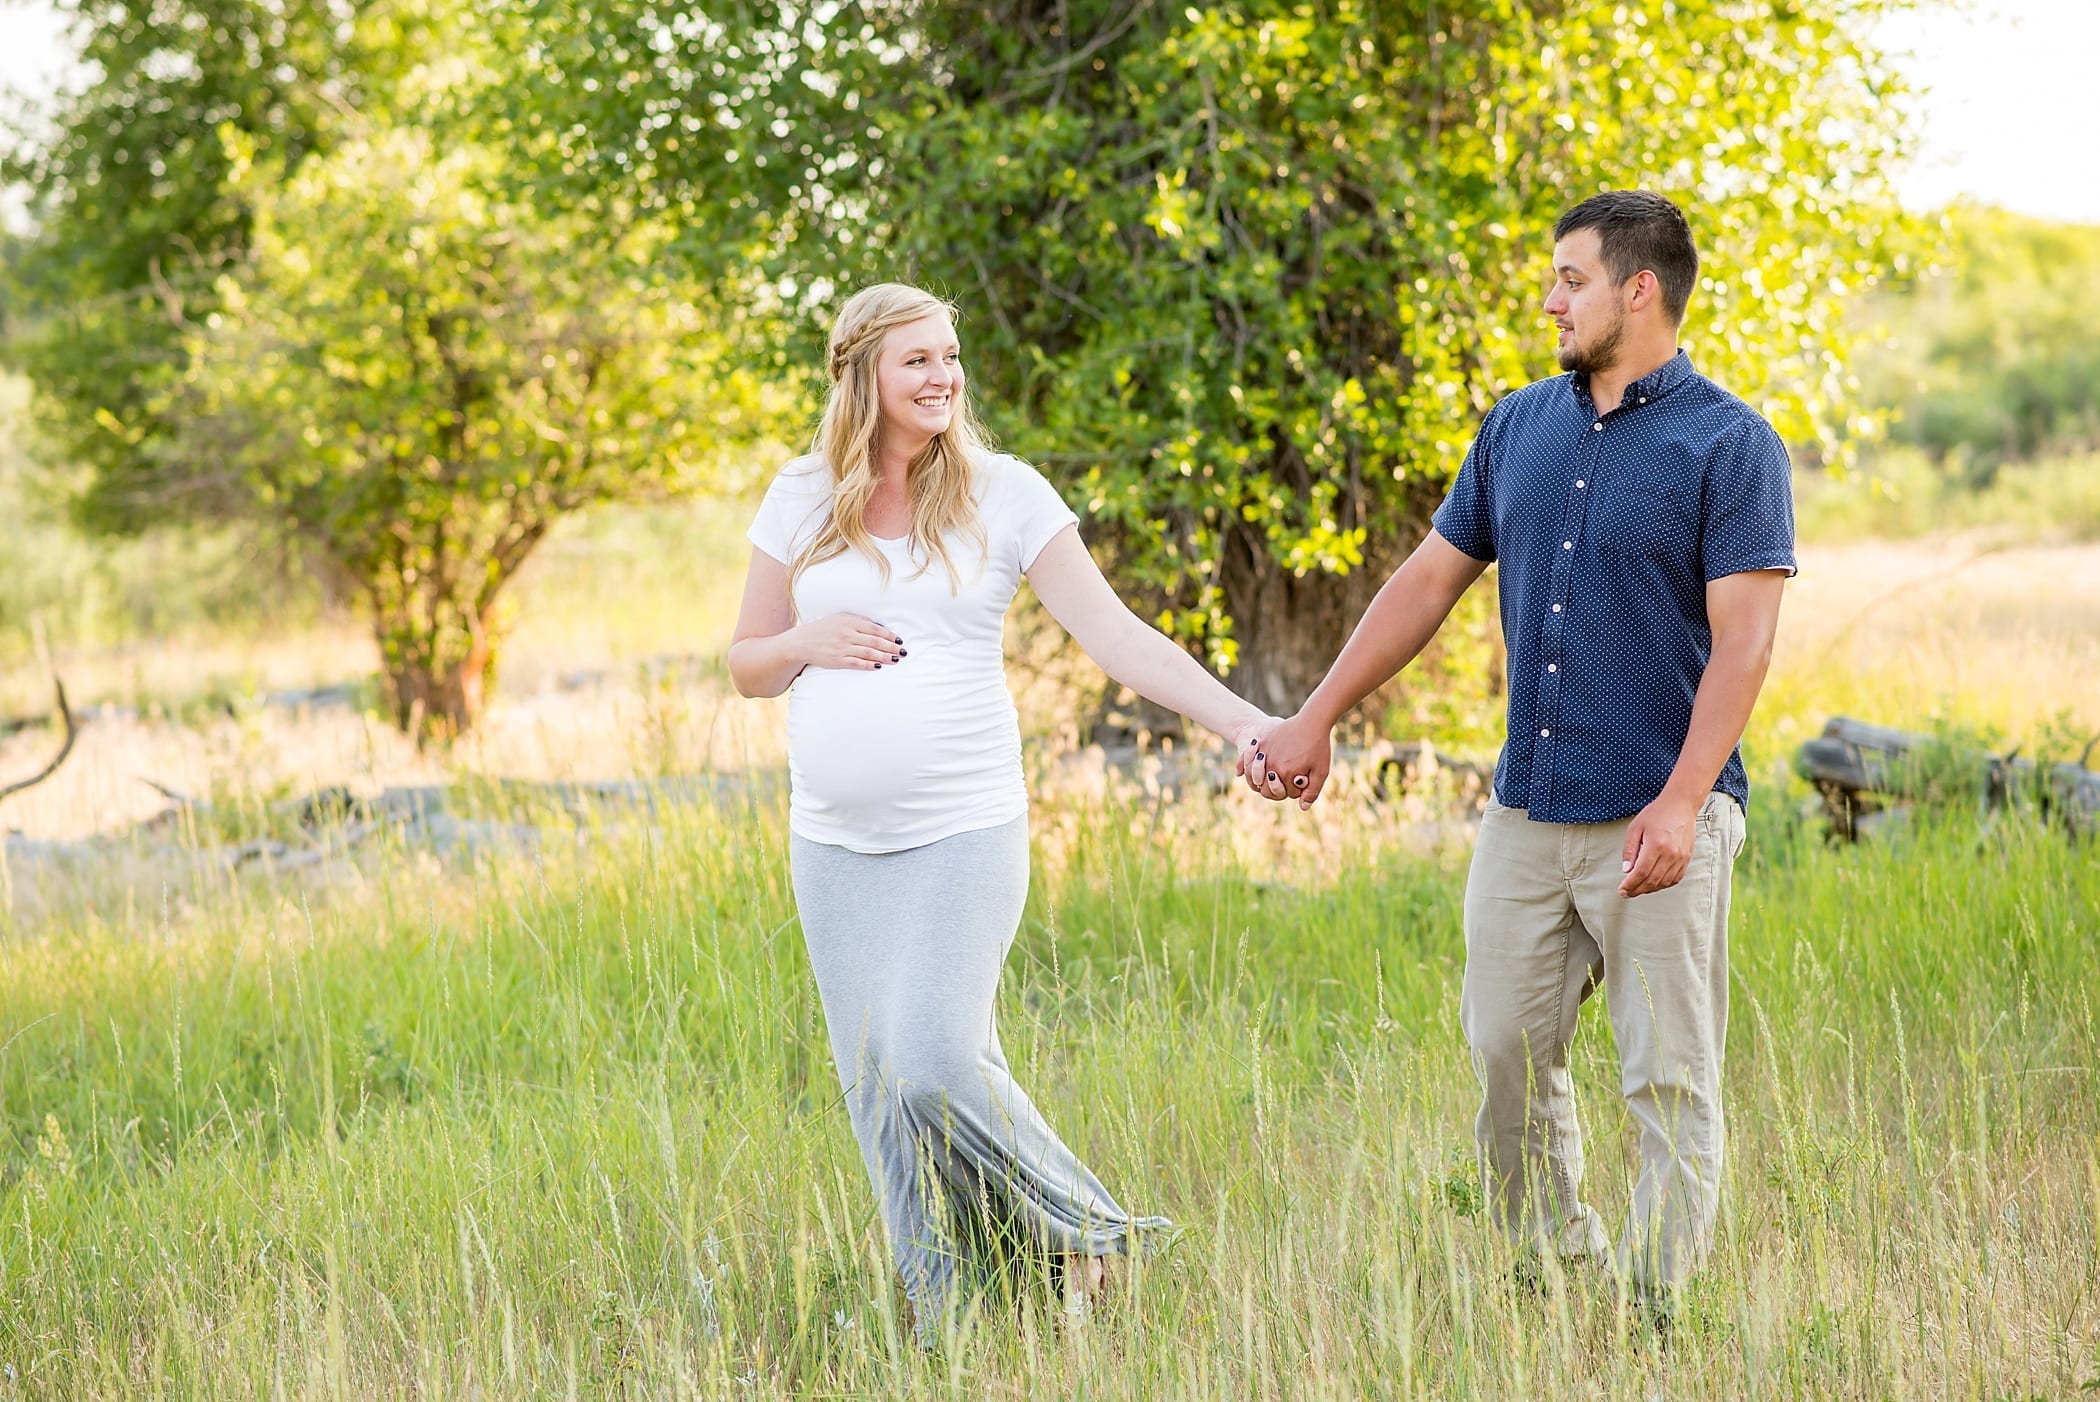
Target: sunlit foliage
{"type": "Point", "coordinates": [1242, 277]}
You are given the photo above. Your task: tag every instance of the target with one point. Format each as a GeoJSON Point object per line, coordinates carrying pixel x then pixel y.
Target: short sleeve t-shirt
{"type": "Point", "coordinates": [881, 761]}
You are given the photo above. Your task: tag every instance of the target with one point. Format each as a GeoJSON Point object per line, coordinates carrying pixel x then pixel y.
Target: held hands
{"type": "Point", "coordinates": [1246, 736]}
{"type": "Point", "coordinates": [1289, 759]}
{"type": "Point", "coordinates": [1658, 846]}
{"type": "Point", "coordinates": [848, 641]}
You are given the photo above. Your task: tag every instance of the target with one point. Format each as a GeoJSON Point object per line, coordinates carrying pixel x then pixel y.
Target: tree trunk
{"type": "Point", "coordinates": [433, 604]}
{"type": "Point", "coordinates": [437, 683]}
{"type": "Point", "coordinates": [1290, 627]}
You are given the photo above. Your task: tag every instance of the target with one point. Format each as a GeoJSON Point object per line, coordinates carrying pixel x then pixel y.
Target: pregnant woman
{"type": "Point", "coordinates": [883, 567]}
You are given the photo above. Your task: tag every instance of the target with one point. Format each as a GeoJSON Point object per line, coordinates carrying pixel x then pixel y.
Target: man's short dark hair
{"type": "Point", "coordinates": [1639, 230]}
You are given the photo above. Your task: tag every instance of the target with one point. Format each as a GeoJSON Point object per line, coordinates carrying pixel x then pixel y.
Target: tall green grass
{"type": "Point", "coordinates": [568, 1125]}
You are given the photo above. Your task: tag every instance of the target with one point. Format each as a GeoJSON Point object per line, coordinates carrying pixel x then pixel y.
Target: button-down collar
{"type": "Point", "coordinates": [1664, 378]}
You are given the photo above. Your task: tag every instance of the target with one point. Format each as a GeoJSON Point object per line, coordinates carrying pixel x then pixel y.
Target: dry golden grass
{"type": "Point", "coordinates": [1906, 634]}
{"type": "Point", "coordinates": [2005, 636]}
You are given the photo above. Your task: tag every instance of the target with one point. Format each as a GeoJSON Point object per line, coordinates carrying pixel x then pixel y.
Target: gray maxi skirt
{"type": "Point", "coordinates": [907, 948]}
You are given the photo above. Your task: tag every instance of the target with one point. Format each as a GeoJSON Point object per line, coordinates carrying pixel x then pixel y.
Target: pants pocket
{"type": "Point", "coordinates": [1721, 820]}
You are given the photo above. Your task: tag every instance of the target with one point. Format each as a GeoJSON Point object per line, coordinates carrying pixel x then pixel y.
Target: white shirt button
{"type": "Point", "coordinates": [1580, 483]}
{"type": "Point", "coordinates": [1553, 666]}
{"type": "Point", "coordinates": [1544, 733]}
{"type": "Point", "coordinates": [1567, 545]}
{"type": "Point", "coordinates": [1598, 426]}
{"type": "Point", "coordinates": [1644, 400]}
{"type": "Point", "coordinates": [1556, 608]}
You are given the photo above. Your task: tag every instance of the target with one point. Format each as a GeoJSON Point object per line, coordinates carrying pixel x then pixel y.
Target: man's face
{"type": "Point", "coordinates": [1584, 304]}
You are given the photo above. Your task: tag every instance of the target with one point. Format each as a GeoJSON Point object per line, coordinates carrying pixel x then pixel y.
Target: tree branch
{"type": "Point", "coordinates": [65, 715]}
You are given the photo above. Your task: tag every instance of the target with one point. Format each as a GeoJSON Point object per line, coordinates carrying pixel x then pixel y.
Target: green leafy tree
{"type": "Point", "coordinates": [413, 378]}
{"type": "Point", "coordinates": [130, 185]}
{"type": "Point", "coordinates": [275, 283]}
{"type": "Point", "coordinates": [1991, 358]}
{"type": "Point", "coordinates": [1243, 277]}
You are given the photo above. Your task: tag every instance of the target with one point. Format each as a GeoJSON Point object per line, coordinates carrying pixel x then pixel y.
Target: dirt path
{"type": "Point", "coordinates": [1910, 632]}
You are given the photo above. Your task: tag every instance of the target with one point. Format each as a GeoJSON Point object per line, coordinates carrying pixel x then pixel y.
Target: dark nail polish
{"type": "Point", "coordinates": [898, 658]}
{"type": "Point", "coordinates": [1272, 776]}
{"type": "Point", "coordinates": [878, 666]}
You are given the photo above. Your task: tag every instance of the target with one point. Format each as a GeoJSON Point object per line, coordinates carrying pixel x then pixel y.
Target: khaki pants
{"type": "Point", "coordinates": [1544, 925]}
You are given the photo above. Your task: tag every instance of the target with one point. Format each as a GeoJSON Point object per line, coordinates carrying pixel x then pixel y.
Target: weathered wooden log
{"type": "Point", "coordinates": [1418, 762]}
{"type": "Point", "coordinates": [1859, 768]}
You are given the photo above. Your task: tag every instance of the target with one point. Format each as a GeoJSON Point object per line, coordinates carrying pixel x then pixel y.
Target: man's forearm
{"type": "Point", "coordinates": [1720, 713]}
{"type": "Point", "coordinates": [1401, 620]}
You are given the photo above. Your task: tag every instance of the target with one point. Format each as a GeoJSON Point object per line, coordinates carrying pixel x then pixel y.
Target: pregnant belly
{"type": "Point", "coordinates": [878, 745]}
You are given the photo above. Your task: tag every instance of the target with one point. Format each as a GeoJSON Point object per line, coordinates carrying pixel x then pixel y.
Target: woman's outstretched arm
{"type": "Point", "coordinates": [1132, 651]}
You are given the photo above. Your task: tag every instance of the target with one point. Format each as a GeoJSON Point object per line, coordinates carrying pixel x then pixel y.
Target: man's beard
{"type": "Point", "coordinates": [1598, 357]}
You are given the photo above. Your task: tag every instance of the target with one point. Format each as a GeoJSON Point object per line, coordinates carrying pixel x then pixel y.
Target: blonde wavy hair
{"type": "Point", "coordinates": [941, 480]}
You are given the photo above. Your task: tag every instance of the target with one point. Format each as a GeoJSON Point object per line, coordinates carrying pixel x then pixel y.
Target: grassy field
{"type": "Point", "coordinates": [566, 1123]}
{"type": "Point", "coordinates": [569, 1125]}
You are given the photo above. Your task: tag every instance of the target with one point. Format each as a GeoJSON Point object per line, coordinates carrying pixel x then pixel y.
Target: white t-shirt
{"type": "Point", "coordinates": [879, 761]}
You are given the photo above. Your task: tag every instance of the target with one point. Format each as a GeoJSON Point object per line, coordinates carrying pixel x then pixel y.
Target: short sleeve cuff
{"type": "Point", "coordinates": [766, 545]}
{"type": "Point", "coordinates": [1751, 564]}
{"type": "Point", "coordinates": [1462, 534]}
{"type": "Point", "coordinates": [1043, 533]}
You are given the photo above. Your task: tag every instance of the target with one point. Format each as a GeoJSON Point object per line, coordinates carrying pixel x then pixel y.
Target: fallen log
{"type": "Point", "coordinates": [1860, 769]}
{"type": "Point", "coordinates": [1418, 762]}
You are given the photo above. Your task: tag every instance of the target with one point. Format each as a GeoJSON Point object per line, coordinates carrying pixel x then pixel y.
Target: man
{"type": "Point", "coordinates": [1643, 521]}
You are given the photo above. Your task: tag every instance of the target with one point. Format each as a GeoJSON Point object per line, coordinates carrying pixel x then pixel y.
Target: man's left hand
{"type": "Point", "coordinates": [1658, 846]}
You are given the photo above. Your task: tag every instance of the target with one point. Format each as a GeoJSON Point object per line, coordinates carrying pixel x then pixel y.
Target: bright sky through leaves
{"type": "Point", "coordinates": [2011, 104]}
{"type": "Point", "coordinates": [2010, 94]}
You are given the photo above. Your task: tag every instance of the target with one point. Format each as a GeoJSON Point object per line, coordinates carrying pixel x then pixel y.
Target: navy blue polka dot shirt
{"type": "Point", "coordinates": [1608, 529]}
